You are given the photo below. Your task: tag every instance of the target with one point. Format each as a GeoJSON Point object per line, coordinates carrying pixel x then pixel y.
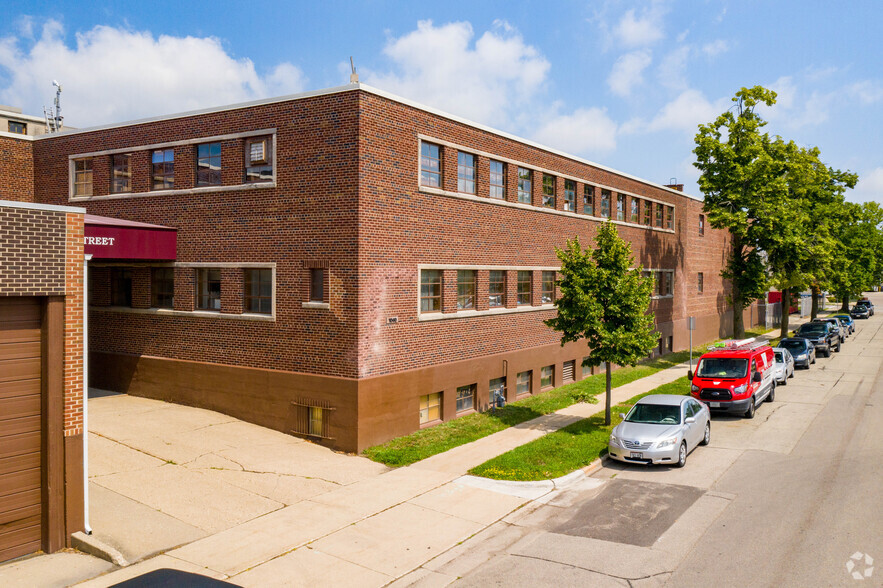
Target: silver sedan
{"type": "Point", "coordinates": [662, 429]}
{"type": "Point", "coordinates": [784, 365]}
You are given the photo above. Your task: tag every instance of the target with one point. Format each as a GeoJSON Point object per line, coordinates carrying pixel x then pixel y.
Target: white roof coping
{"type": "Point", "coordinates": [37, 206]}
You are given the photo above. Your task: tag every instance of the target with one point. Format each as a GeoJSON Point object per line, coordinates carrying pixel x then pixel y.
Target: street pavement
{"type": "Point", "coordinates": [184, 488]}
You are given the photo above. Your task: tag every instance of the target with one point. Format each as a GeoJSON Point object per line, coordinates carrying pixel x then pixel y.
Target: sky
{"type": "Point", "coordinates": [622, 83]}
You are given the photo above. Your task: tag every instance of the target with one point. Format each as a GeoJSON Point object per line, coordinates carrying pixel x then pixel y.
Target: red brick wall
{"type": "Point", "coordinates": [32, 250]}
{"type": "Point", "coordinates": [73, 325]}
{"type": "Point", "coordinates": [16, 170]}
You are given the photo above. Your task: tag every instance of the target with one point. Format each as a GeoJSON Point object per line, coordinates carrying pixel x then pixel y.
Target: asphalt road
{"type": "Point", "coordinates": [786, 499]}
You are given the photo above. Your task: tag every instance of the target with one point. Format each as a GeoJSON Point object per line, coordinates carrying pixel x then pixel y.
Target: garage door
{"type": "Point", "coordinates": [20, 427]}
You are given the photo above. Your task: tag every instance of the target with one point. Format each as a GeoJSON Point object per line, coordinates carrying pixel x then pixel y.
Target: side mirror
{"type": "Point", "coordinates": [689, 374]}
{"type": "Point", "coordinates": [690, 420]}
{"type": "Point", "coordinates": [757, 377]}
{"type": "Point", "coordinates": [622, 415]}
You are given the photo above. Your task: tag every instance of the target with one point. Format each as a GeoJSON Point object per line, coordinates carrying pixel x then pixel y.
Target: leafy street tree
{"type": "Point", "coordinates": [605, 300]}
{"type": "Point", "coordinates": [858, 260]}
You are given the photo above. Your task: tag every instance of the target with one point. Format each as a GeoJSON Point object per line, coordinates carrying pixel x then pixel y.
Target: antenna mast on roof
{"type": "Point", "coordinates": [354, 77]}
{"type": "Point", "coordinates": [54, 120]}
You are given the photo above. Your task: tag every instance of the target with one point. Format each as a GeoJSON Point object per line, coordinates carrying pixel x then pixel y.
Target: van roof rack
{"type": "Point", "coordinates": [737, 345]}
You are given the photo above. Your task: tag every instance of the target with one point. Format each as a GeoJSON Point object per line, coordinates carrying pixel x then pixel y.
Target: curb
{"type": "Point", "coordinates": [89, 544]}
{"type": "Point", "coordinates": [535, 489]}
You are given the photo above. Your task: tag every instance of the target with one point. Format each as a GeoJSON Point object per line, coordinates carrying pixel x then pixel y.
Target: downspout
{"type": "Point", "coordinates": [87, 258]}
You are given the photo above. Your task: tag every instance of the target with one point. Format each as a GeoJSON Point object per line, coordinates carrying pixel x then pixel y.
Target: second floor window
{"type": "Point", "coordinates": [19, 128]}
{"type": "Point", "coordinates": [258, 294]}
{"type": "Point", "coordinates": [635, 206]}
{"type": "Point", "coordinates": [548, 287]}
{"type": "Point", "coordinates": [259, 159]}
{"type": "Point", "coordinates": [208, 289]}
{"type": "Point", "coordinates": [121, 180]}
{"type": "Point", "coordinates": [497, 180]}
{"type": "Point", "coordinates": [548, 191]}
{"type": "Point", "coordinates": [163, 167]}
{"type": "Point", "coordinates": [525, 284]}
{"type": "Point", "coordinates": [589, 200]}
{"type": "Point", "coordinates": [605, 203]}
{"type": "Point", "coordinates": [620, 207]}
{"type": "Point", "coordinates": [162, 287]}
{"type": "Point", "coordinates": [670, 217]}
{"type": "Point", "coordinates": [701, 284]}
{"type": "Point", "coordinates": [208, 164]}
{"type": "Point", "coordinates": [465, 289]}
{"type": "Point", "coordinates": [524, 185]}
{"type": "Point", "coordinates": [430, 165]}
{"type": "Point", "coordinates": [83, 177]}
{"type": "Point", "coordinates": [701, 224]}
{"type": "Point", "coordinates": [570, 195]}
{"type": "Point", "coordinates": [430, 290]}
{"type": "Point", "coordinates": [466, 173]}
{"type": "Point", "coordinates": [496, 288]}
{"type": "Point", "coordinates": [648, 213]}
{"type": "Point", "coordinates": [659, 213]}
{"type": "Point", "coordinates": [317, 284]}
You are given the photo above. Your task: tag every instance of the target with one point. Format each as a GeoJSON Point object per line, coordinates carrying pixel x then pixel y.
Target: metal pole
{"type": "Point", "coordinates": [86, 525]}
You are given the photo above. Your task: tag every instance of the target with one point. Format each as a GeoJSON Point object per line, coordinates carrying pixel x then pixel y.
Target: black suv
{"type": "Point", "coordinates": [868, 303]}
{"type": "Point", "coordinates": [860, 311]}
{"type": "Point", "coordinates": [824, 336]}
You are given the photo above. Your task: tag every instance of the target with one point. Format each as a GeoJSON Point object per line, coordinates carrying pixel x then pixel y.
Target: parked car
{"type": "Point", "coordinates": [735, 377]}
{"type": "Point", "coordinates": [868, 303]}
{"type": "Point", "coordinates": [661, 428]}
{"type": "Point", "coordinates": [860, 311]}
{"type": "Point", "coordinates": [802, 350]}
{"type": "Point", "coordinates": [838, 326]}
{"type": "Point", "coordinates": [784, 365]}
{"type": "Point", "coordinates": [846, 320]}
{"type": "Point", "coordinates": [822, 335]}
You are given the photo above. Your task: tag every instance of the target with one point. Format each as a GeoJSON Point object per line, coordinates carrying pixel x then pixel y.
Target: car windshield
{"type": "Point", "coordinates": [722, 367]}
{"type": "Point", "coordinates": [780, 357]}
{"type": "Point", "coordinates": [843, 318]}
{"type": "Point", "coordinates": [655, 414]}
{"type": "Point", "coordinates": [812, 329]}
{"type": "Point", "coordinates": [789, 345]}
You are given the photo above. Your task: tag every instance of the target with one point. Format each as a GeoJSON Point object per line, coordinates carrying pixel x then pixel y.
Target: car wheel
{"type": "Point", "coordinates": [749, 414]}
{"type": "Point", "coordinates": [792, 373]}
{"type": "Point", "coordinates": [707, 438]}
{"type": "Point", "coordinates": [839, 345]}
{"type": "Point", "coordinates": [682, 455]}
{"type": "Point", "coordinates": [785, 381]}
{"type": "Point", "coordinates": [772, 395]}
{"type": "Point", "coordinates": [813, 359]}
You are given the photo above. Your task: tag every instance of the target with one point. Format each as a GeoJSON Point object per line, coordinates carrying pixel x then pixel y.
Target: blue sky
{"type": "Point", "coordinates": [618, 82]}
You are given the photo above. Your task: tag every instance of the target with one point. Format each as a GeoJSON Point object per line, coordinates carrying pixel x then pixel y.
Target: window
{"type": "Point", "coordinates": [605, 203]}
{"type": "Point", "coordinates": [258, 295]}
{"type": "Point", "coordinates": [430, 165]}
{"type": "Point", "coordinates": [496, 391]}
{"type": "Point", "coordinates": [317, 421]}
{"type": "Point", "coordinates": [548, 191]}
{"type": "Point", "coordinates": [588, 200]}
{"type": "Point", "coordinates": [83, 177]}
{"type": "Point", "coordinates": [701, 224]}
{"type": "Point", "coordinates": [701, 283]}
{"type": "Point", "coordinates": [663, 282]}
{"type": "Point", "coordinates": [208, 164]}
{"type": "Point", "coordinates": [430, 290]}
{"type": "Point", "coordinates": [121, 175]}
{"type": "Point", "coordinates": [548, 292]}
{"type": "Point", "coordinates": [466, 397]}
{"type": "Point", "coordinates": [587, 369]}
{"type": "Point", "coordinates": [620, 207]}
{"type": "Point", "coordinates": [525, 283]}
{"type": "Point", "coordinates": [648, 213]}
{"type": "Point", "coordinates": [162, 287]}
{"type": "Point", "coordinates": [120, 287]}
{"type": "Point", "coordinates": [317, 284]}
{"type": "Point", "coordinates": [259, 159]}
{"type": "Point", "coordinates": [208, 289]}
{"type": "Point", "coordinates": [570, 195]}
{"type": "Point", "coordinates": [496, 288]}
{"type": "Point", "coordinates": [497, 180]}
{"type": "Point", "coordinates": [547, 376]}
{"type": "Point", "coordinates": [522, 382]}
{"type": "Point", "coordinates": [659, 212]}
{"type": "Point", "coordinates": [670, 344]}
{"type": "Point", "coordinates": [635, 216]}
{"type": "Point", "coordinates": [19, 128]}
{"type": "Point", "coordinates": [466, 173]}
{"type": "Point", "coordinates": [163, 163]}
{"type": "Point", "coordinates": [524, 185]}
{"type": "Point", "coordinates": [669, 283]}
{"type": "Point", "coordinates": [670, 217]}
{"type": "Point", "coordinates": [430, 408]}
{"type": "Point", "coordinates": [465, 289]}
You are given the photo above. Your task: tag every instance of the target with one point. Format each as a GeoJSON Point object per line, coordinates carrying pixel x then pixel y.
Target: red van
{"type": "Point", "coordinates": [735, 376]}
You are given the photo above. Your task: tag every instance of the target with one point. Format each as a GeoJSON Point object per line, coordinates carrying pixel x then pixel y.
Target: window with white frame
{"type": "Point", "coordinates": [465, 289]}
{"type": "Point", "coordinates": [525, 183]}
{"type": "Point", "coordinates": [465, 173]}
{"type": "Point", "coordinates": [83, 177]}
{"type": "Point", "coordinates": [497, 180]}
{"type": "Point", "coordinates": [430, 290]}
{"type": "Point", "coordinates": [430, 165]}
{"type": "Point", "coordinates": [496, 288]}
{"type": "Point", "coordinates": [570, 195]}
{"type": "Point", "coordinates": [466, 398]}
{"type": "Point", "coordinates": [259, 159]}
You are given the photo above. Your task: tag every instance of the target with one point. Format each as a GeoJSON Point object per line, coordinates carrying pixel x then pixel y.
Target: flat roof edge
{"type": "Point", "coordinates": [18, 136]}
{"type": "Point", "coordinates": [37, 206]}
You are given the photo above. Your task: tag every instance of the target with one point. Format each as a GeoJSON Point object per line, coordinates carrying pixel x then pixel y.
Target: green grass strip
{"type": "Point", "coordinates": [565, 450]}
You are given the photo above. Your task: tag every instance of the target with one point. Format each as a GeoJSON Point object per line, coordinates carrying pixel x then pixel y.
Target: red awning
{"type": "Point", "coordinates": [113, 238]}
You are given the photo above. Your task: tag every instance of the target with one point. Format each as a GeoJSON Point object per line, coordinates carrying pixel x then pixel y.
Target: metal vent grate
{"type": "Point", "coordinates": [312, 418]}
{"type": "Point", "coordinates": [567, 372]}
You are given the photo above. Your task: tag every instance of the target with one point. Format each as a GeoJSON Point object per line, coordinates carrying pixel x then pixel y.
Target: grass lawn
{"type": "Point", "coordinates": [567, 449]}
{"type": "Point", "coordinates": [424, 443]}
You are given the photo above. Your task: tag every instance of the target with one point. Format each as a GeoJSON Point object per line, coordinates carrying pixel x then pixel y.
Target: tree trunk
{"type": "Point", "coordinates": [844, 303]}
{"type": "Point", "coordinates": [738, 304]}
{"type": "Point", "coordinates": [607, 407]}
{"type": "Point", "coordinates": [786, 316]}
{"type": "Point", "coordinates": [815, 303]}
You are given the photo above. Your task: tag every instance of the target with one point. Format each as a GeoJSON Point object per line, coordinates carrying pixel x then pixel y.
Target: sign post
{"type": "Point", "coordinates": [691, 326]}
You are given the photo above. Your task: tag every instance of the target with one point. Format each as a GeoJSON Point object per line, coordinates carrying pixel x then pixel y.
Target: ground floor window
{"type": "Point", "coordinates": [208, 288]}
{"type": "Point", "coordinates": [120, 287]}
{"type": "Point", "coordinates": [522, 385]}
{"type": "Point", "coordinates": [466, 397]}
{"type": "Point", "coordinates": [587, 369]}
{"type": "Point", "coordinates": [258, 285]}
{"type": "Point", "coordinates": [430, 408]}
{"type": "Point", "coordinates": [547, 375]}
{"type": "Point", "coordinates": [162, 287]}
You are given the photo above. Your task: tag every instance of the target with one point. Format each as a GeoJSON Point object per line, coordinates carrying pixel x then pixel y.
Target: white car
{"type": "Point", "coordinates": [784, 365]}
{"type": "Point", "coordinates": [662, 429]}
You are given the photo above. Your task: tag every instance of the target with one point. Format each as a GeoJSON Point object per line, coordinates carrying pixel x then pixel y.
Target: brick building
{"type": "Point", "coordinates": [351, 266]}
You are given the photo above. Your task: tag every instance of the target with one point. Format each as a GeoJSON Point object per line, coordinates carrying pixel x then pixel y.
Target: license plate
{"type": "Point", "coordinates": [636, 455]}
{"type": "Point", "coordinates": [714, 404]}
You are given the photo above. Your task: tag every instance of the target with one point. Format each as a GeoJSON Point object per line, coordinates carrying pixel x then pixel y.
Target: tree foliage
{"type": "Point", "coordinates": [605, 300]}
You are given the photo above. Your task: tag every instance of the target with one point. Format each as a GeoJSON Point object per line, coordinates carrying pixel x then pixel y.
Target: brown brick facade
{"type": "Point", "coordinates": [16, 169]}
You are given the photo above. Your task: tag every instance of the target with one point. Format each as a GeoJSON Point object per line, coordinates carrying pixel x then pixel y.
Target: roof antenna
{"type": "Point", "coordinates": [354, 77]}
{"type": "Point", "coordinates": [54, 120]}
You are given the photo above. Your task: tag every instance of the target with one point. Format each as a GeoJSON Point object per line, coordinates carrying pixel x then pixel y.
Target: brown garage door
{"type": "Point", "coordinates": [20, 427]}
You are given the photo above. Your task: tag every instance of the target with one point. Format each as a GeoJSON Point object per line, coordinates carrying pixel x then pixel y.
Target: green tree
{"type": "Point", "coordinates": [744, 188]}
{"type": "Point", "coordinates": [858, 259]}
{"type": "Point", "coordinates": [605, 300]}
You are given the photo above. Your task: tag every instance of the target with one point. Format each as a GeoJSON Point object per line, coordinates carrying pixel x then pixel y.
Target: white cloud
{"type": "Point", "coordinates": [114, 74]}
{"type": "Point", "coordinates": [673, 68]}
{"type": "Point", "coordinates": [690, 109]}
{"type": "Point", "coordinates": [488, 81]}
{"type": "Point", "coordinates": [785, 92]}
{"type": "Point", "coordinates": [587, 130]}
{"type": "Point", "coordinates": [715, 48]}
{"type": "Point", "coordinates": [639, 30]}
{"type": "Point", "coordinates": [628, 72]}
{"type": "Point", "coordinates": [869, 187]}
{"type": "Point", "coordinates": [866, 91]}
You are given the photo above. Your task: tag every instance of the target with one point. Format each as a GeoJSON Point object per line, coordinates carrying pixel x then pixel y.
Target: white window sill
{"type": "Point", "coordinates": [187, 313]}
{"type": "Point", "coordinates": [437, 316]}
{"type": "Point", "coordinates": [183, 191]}
{"type": "Point", "coordinates": [317, 305]}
